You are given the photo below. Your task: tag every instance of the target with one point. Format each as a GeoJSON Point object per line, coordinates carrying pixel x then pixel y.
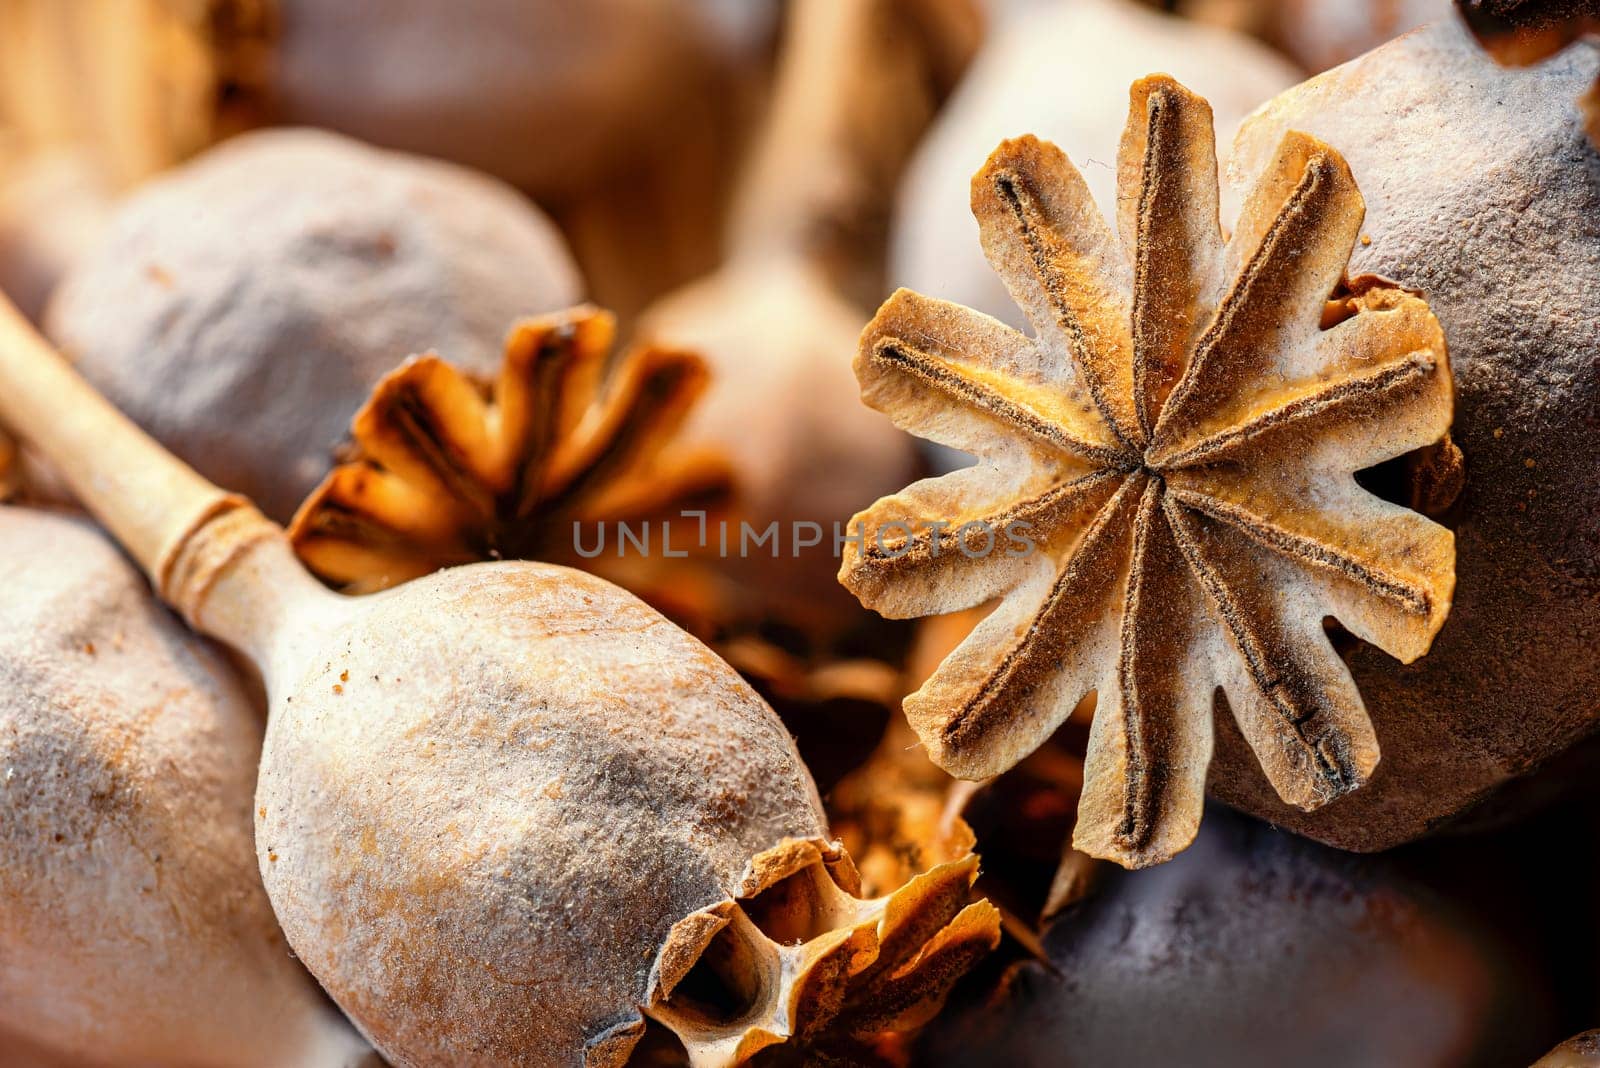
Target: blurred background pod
{"type": "Point", "coordinates": [1019, 83]}
{"type": "Point", "coordinates": [1257, 948]}
{"type": "Point", "coordinates": [618, 116]}
{"type": "Point", "coordinates": [1316, 34]}
{"type": "Point", "coordinates": [858, 81]}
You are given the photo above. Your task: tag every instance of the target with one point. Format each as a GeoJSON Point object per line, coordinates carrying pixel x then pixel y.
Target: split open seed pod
{"type": "Point", "coordinates": [241, 308]}
{"type": "Point", "coordinates": [1164, 503]}
{"type": "Point", "coordinates": [547, 460]}
{"type": "Point", "coordinates": [1500, 241]}
{"type": "Point", "coordinates": [133, 925]}
{"type": "Point", "coordinates": [506, 810]}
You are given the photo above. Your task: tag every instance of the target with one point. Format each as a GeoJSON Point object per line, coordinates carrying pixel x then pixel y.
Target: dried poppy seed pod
{"type": "Point", "coordinates": [1164, 478]}
{"type": "Point", "coordinates": [133, 925]}
{"type": "Point", "coordinates": [241, 308]}
{"type": "Point", "coordinates": [1500, 241]}
{"type": "Point", "coordinates": [547, 466]}
{"type": "Point", "coordinates": [507, 809]}
{"type": "Point", "coordinates": [1018, 82]}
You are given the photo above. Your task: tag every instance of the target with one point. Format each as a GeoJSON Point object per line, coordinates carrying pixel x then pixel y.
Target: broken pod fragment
{"type": "Point", "coordinates": [1178, 441]}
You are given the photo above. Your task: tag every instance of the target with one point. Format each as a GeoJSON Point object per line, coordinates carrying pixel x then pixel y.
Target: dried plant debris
{"type": "Point", "coordinates": [448, 469]}
{"type": "Point", "coordinates": [800, 960]}
{"type": "Point", "coordinates": [1177, 442]}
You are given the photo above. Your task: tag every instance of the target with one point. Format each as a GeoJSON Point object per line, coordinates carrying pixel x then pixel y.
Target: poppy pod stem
{"type": "Point", "coordinates": [191, 538]}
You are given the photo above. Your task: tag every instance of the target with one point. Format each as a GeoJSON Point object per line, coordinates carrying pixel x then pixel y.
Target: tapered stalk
{"type": "Point", "coordinates": [826, 165]}
{"type": "Point", "coordinates": [209, 553]}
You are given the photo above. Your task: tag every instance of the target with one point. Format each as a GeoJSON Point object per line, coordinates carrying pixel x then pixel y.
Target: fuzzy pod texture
{"type": "Point", "coordinates": [1256, 949]}
{"type": "Point", "coordinates": [133, 925]}
{"type": "Point", "coordinates": [1482, 193]}
{"type": "Point", "coordinates": [242, 307]}
{"type": "Point", "coordinates": [1020, 84]}
{"type": "Point", "coordinates": [479, 832]}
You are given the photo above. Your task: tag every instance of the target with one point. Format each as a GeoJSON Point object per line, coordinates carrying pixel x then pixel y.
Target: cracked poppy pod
{"type": "Point", "coordinates": [1180, 436]}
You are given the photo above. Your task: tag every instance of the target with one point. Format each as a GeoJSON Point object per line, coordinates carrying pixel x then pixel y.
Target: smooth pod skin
{"type": "Point", "coordinates": [241, 308]}
{"type": "Point", "coordinates": [133, 926]}
{"type": "Point", "coordinates": [1483, 194]}
{"type": "Point", "coordinates": [1257, 949]}
{"type": "Point", "coordinates": [487, 795]}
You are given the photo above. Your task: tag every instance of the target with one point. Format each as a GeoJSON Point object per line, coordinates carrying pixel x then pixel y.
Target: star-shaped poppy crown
{"type": "Point", "coordinates": [1165, 503]}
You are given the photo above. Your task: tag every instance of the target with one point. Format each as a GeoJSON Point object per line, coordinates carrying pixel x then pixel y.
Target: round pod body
{"type": "Point", "coordinates": [242, 307]}
{"type": "Point", "coordinates": [133, 925]}
{"type": "Point", "coordinates": [547, 94]}
{"type": "Point", "coordinates": [784, 408]}
{"type": "Point", "coordinates": [1483, 194]}
{"type": "Point", "coordinates": [487, 796]}
{"type": "Point", "coordinates": [1019, 84]}
{"type": "Point", "coordinates": [1254, 949]}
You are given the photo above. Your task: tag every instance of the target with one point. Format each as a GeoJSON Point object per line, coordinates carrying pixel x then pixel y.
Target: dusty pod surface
{"type": "Point", "coordinates": [1018, 84]}
{"type": "Point", "coordinates": [133, 926]}
{"type": "Point", "coordinates": [241, 308]}
{"type": "Point", "coordinates": [502, 836]}
{"type": "Point", "coordinates": [1504, 243]}
{"type": "Point", "coordinates": [1256, 948]}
